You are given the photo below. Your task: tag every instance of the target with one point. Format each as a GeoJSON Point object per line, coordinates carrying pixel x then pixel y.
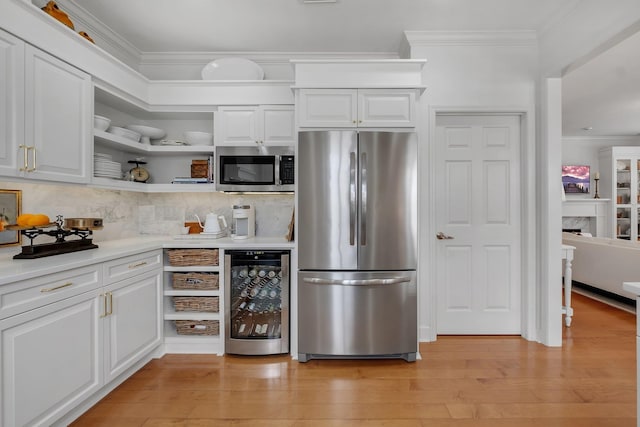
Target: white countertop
{"type": "Point", "coordinates": [12, 270]}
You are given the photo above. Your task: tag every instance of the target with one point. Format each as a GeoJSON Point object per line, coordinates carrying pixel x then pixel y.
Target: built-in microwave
{"type": "Point", "coordinates": [249, 169]}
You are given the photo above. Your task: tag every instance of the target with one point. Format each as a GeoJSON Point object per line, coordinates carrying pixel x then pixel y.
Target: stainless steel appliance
{"type": "Point", "coordinates": [257, 309]}
{"type": "Point", "coordinates": [357, 244]}
{"type": "Point", "coordinates": [243, 222]}
{"type": "Point", "coordinates": [249, 169]}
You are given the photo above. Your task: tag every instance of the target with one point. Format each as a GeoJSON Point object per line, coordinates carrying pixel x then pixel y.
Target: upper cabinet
{"type": "Point", "coordinates": [58, 119]}
{"type": "Point", "coordinates": [255, 125]}
{"type": "Point", "coordinates": [45, 115]}
{"type": "Point", "coordinates": [11, 102]}
{"type": "Point", "coordinates": [357, 93]}
{"type": "Point", "coordinates": [364, 108]}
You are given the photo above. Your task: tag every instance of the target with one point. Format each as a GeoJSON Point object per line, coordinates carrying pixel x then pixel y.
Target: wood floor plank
{"type": "Point", "coordinates": [461, 381]}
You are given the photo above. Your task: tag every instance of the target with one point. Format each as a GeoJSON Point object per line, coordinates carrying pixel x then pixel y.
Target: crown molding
{"type": "Point", "coordinates": [261, 58]}
{"type": "Point", "coordinates": [471, 38]}
{"type": "Point", "coordinates": [108, 39]}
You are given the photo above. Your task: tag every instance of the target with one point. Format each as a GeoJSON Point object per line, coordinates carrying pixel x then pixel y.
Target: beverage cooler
{"type": "Point", "coordinates": [257, 309]}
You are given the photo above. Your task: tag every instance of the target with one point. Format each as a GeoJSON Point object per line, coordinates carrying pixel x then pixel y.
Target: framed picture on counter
{"type": "Point", "coordinates": [10, 207]}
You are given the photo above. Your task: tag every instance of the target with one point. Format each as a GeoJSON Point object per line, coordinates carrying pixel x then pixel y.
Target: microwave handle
{"type": "Point", "coordinates": [276, 171]}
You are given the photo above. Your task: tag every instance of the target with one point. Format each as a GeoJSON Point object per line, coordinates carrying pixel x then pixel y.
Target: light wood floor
{"type": "Point", "coordinates": [461, 381]}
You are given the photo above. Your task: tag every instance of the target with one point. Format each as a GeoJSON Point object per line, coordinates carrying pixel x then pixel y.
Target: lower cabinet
{"type": "Point", "coordinates": [51, 360]}
{"type": "Point", "coordinates": [55, 357]}
{"type": "Point", "coordinates": [133, 322]}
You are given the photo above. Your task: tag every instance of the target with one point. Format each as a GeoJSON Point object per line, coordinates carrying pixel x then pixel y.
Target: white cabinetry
{"type": "Point", "coordinates": [11, 102]}
{"type": "Point", "coordinates": [58, 119]}
{"type": "Point", "coordinates": [133, 310]}
{"type": "Point", "coordinates": [251, 125]}
{"type": "Point", "coordinates": [65, 336]}
{"type": "Point", "coordinates": [51, 357]}
{"type": "Point", "coordinates": [45, 115]}
{"type": "Point", "coordinates": [620, 173]}
{"type": "Point", "coordinates": [364, 108]}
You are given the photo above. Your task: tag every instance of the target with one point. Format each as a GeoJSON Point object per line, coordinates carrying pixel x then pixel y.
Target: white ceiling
{"type": "Point", "coordinates": [603, 93]}
{"type": "Point", "coordinates": [293, 26]}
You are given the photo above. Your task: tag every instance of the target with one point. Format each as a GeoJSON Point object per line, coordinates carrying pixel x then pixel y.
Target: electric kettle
{"type": "Point", "coordinates": [212, 223]}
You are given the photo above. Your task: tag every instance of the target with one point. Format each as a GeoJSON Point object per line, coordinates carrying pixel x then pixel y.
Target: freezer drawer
{"type": "Point", "coordinates": [357, 315]}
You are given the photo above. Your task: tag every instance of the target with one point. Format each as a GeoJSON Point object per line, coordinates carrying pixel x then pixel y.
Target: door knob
{"type": "Point", "coordinates": [441, 236]}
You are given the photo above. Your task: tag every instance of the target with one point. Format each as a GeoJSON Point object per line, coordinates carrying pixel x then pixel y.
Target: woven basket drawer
{"type": "Point", "coordinates": [203, 304]}
{"type": "Point", "coordinates": [197, 327]}
{"type": "Point", "coordinates": [193, 257]}
{"type": "Point", "coordinates": [199, 281]}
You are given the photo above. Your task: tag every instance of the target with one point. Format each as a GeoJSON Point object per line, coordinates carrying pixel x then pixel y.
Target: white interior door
{"type": "Point", "coordinates": [478, 215]}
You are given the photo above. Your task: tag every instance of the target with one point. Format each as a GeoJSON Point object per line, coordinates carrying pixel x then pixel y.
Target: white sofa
{"type": "Point", "coordinates": [605, 263]}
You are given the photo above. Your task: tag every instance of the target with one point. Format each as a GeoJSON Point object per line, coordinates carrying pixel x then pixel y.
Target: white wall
{"type": "Point", "coordinates": [484, 75]}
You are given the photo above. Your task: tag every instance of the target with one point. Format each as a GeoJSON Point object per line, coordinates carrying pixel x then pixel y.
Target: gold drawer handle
{"type": "Point", "coordinates": [106, 313]}
{"type": "Point", "coordinates": [55, 288]}
{"type": "Point", "coordinates": [140, 264]}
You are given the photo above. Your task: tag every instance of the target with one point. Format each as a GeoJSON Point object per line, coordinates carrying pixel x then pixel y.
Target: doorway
{"type": "Point", "coordinates": [478, 223]}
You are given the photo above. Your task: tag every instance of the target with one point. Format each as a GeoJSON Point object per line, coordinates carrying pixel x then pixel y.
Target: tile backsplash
{"type": "Point", "coordinates": [127, 214]}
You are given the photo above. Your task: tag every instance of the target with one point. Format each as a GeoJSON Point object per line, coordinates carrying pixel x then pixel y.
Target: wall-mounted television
{"type": "Point", "coordinates": [576, 179]}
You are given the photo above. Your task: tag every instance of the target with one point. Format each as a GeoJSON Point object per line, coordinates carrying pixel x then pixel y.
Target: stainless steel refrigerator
{"type": "Point", "coordinates": [357, 244]}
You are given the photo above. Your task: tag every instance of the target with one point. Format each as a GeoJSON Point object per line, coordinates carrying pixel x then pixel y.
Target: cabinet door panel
{"type": "Point", "coordinates": [11, 102]}
{"type": "Point", "coordinates": [237, 126]}
{"type": "Point", "coordinates": [278, 124]}
{"type": "Point", "coordinates": [51, 359]}
{"type": "Point", "coordinates": [386, 108]}
{"type": "Point", "coordinates": [327, 108]}
{"type": "Point", "coordinates": [58, 120]}
{"type": "Point", "coordinates": [134, 325]}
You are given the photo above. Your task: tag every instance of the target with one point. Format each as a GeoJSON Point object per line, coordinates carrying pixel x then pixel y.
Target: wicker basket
{"type": "Point", "coordinates": [191, 257]}
{"type": "Point", "coordinates": [197, 327]}
{"type": "Point", "coordinates": [200, 281]}
{"type": "Point", "coordinates": [205, 304]}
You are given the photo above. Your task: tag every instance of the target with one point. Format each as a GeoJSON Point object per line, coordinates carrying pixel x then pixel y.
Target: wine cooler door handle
{"type": "Point", "coordinates": [357, 282]}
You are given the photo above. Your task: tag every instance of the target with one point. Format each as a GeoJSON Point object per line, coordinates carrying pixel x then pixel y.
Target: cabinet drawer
{"type": "Point", "coordinates": [123, 268]}
{"type": "Point", "coordinates": [26, 295]}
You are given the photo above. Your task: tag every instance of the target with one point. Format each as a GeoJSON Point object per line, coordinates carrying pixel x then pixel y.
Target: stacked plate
{"type": "Point", "coordinates": [104, 167]}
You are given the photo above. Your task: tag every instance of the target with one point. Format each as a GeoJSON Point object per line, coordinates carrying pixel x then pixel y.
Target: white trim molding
{"type": "Point", "coordinates": [471, 38]}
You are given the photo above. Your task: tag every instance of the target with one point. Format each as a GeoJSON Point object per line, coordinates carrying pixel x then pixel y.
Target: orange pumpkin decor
{"type": "Point", "coordinates": [86, 36]}
{"type": "Point", "coordinates": [52, 9]}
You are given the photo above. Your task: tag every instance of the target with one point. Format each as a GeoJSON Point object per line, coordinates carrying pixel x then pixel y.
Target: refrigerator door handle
{"type": "Point", "coordinates": [356, 282]}
{"type": "Point", "coordinates": [363, 198]}
{"type": "Point", "coordinates": [352, 198]}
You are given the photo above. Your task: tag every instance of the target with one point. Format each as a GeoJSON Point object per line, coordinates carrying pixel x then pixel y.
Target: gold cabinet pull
{"type": "Point", "coordinates": [34, 159]}
{"type": "Point", "coordinates": [25, 160]}
{"type": "Point", "coordinates": [104, 306]}
{"type": "Point", "coordinates": [140, 264]}
{"type": "Point", "coordinates": [110, 312]}
{"type": "Point", "coordinates": [55, 288]}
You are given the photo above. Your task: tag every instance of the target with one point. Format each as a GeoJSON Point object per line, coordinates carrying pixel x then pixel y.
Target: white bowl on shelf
{"type": "Point", "coordinates": [101, 123]}
{"type": "Point", "coordinates": [198, 138]}
{"type": "Point", "coordinates": [147, 132]}
{"type": "Point", "coordinates": [126, 133]}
